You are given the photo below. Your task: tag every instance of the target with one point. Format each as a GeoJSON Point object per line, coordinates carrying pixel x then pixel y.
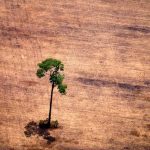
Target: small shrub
{"type": "Point", "coordinates": [45, 124]}
{"type": "Point", "coordinates": [54, 124]}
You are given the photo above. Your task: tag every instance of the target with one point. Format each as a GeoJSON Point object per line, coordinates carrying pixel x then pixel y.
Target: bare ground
{"type": "Point", "coordinates": [105, 46]}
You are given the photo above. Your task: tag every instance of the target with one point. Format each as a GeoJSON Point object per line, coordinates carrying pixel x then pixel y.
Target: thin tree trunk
{"type": "Point", "coordinates": [50, 110]}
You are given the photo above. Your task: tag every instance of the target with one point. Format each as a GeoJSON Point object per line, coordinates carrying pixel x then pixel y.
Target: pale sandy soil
{"type": "Point", "coordinates": [105, 46]}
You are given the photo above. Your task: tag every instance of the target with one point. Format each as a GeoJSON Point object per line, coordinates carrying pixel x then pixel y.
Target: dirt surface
{"type": "Point", "coordinates": [105, 46]}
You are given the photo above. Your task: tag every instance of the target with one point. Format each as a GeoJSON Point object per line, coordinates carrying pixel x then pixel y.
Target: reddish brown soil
{"type": "Point", "coordinates": [105, 46]}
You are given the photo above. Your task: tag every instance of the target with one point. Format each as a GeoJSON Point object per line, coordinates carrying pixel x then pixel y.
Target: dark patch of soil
{"type": "Point", "coordinates": [32, 128]}
{"type": "Point", "coordinates": [103, 83]}
{"type": "Point", "coordinates": [141, 29]}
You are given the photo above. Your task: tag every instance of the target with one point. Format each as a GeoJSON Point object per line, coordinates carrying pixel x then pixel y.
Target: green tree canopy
{"type": "Point", "coordinates": [54, 67]}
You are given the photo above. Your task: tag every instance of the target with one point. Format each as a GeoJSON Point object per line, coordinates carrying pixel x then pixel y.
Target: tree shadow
{"type": "Point", "coordinates": [32, 129]}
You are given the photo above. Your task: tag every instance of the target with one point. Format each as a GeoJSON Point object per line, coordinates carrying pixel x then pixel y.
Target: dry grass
{"type": "Point", "coordinates": [104, 45]}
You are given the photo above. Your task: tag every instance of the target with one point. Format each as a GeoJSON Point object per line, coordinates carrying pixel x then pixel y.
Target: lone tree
{"type": "Point", "coordinates": [53, 68]}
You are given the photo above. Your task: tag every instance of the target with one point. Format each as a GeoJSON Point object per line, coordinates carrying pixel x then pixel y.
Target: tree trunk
{"type": "Point", "coordinates": [50, 110]}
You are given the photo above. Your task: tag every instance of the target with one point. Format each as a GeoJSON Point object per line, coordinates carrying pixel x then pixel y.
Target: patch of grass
{"type": "Point", "coordinates": [54, 124]}
{"type": "Point", "coordinates": [44, 124]}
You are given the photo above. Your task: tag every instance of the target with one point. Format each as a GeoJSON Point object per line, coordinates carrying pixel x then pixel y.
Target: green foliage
{"type": "Point", "coordinates": [56, 78]}
{"type": "Point", "coordinates": [40, 73]}
{"type": "Point", "coordinates": [50, 63]}
{"type": "Point", "coordinates": [55, 68]}
{"type": "Point", "coordinates": [62, 88]}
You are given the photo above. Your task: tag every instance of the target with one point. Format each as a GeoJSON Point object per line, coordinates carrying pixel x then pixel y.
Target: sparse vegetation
{"type": "Point", "coordinates": [32, 129]}
{"type": "Point", "coordinates": [53, 124]}
{"type": "Point", "coordinates": [53, 68]}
